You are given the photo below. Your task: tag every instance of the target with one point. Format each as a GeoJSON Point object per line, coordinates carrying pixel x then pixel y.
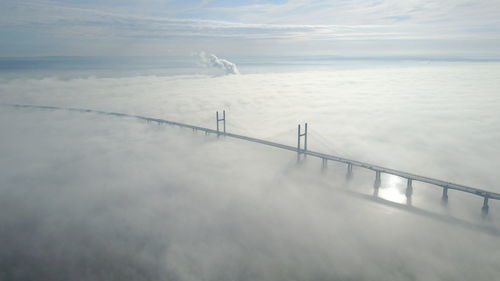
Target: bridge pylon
{"type": "Point", "coordinates": [301, 134]}
{"type": "Point", "coordinates": [223, 120]}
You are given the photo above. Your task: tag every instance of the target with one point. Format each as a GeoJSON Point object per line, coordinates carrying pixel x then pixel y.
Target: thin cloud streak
{"type": "Point", "coordinates": [79, 18]}
{"type": "Point", "coordinates": [318, 21]}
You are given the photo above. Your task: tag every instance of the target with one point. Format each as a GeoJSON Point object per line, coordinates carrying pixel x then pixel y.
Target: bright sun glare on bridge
{"type": "Point", "coordinates": [393, 189]}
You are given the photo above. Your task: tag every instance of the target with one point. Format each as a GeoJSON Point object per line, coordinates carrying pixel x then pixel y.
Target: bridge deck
{"type": "Point", "coordinates": [444, 184]}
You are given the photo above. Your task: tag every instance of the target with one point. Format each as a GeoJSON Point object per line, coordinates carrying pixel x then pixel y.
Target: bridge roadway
{"type": "Point", "coordinates": [480, 192]}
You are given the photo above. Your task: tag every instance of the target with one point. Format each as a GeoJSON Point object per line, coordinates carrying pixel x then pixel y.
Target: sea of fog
{"type": "Point", "coordinates": [93, 197]}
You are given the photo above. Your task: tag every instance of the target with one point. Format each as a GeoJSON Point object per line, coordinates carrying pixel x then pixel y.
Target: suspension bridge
{"type": "Point", "coordinates": [301, 150]}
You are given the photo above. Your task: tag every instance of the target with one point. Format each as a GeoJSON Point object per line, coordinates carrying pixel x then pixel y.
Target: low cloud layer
{"type": "Point", "coordinates": [92, 197]}
{"type": "Point", "coordinates": [413, 118]}
{"type": "Point", "coordinates": [113, 199]}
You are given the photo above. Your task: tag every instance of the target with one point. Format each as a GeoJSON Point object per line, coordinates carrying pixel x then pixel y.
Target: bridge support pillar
{"type": "Point", "coordinates": [409, 191]}
{"type": "Point", "coordinates": [485, 208]}
{"type": "Point", "coordinates": [324, 164]}
{"type": "Point", "coordinates": [348, 176]}
{"type": "Point", "coordinates": [376, 184]}
{"type": "Point", "coordinates": [378, 181]}
{"type": "Point", "coordinates": [444, 197]}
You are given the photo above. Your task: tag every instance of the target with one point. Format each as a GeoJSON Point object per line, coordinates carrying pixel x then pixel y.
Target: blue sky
{"type": "Point", "coordinates": [449, 28]}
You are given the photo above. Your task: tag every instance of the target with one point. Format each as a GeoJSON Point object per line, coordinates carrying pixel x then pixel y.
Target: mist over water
{"type": "Point", "coordinates": [92, 197]}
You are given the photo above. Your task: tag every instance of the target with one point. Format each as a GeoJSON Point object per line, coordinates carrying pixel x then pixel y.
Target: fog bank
{"type": "Point", "coordinates": [109, 199]}
{"type": "Point", "coordinates": [92, 197]}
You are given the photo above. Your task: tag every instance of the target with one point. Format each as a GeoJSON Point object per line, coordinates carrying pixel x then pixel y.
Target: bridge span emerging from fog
{"type": "Point", "coordinates": [301, 150]}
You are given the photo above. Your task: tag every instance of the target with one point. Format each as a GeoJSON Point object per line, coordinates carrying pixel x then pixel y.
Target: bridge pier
{"type": "Point", "coordinates": [485, 208]}
{"type": "Point", "coordinates": [409, 191]}
{"type": "Point", "coordinates": [377, 183]}
{"type": "Point", "coordinates": [324, 164]}
{"type": "Point", "coordinates": [444, 197]}
{"type": "Point", "coordinates": [348, 176]}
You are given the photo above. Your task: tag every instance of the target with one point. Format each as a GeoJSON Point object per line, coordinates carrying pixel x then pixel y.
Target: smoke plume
{"type": "Point", "coordinates": [211, 60]}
